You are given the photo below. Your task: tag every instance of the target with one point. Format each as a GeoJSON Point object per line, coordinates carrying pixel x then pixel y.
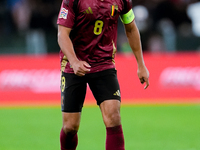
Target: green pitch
{"type": "Point", "coordinates": [169, 127]}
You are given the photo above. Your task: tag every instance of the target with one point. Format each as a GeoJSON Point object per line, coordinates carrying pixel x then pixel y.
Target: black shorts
{"type": "Point", "coordinates": [104, 86]}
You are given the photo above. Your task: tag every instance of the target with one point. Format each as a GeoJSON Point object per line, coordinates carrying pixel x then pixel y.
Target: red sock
{"type": "Point", "coordinates": [114, 138]}
{"type": "Point", "coordinates": [68, 142]}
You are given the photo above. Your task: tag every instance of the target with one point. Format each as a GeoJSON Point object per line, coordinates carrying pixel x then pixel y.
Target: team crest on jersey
{"type": "Point", "coordinates": [114, 9]}
{"type": "Point", "coordinates": [63, 13]}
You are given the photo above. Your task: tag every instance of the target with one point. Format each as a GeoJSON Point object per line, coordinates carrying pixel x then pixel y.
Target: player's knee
{"type": "Point", "coordinates": [70, 129]}
{"type": "Point", "coordinates": [113, 119]}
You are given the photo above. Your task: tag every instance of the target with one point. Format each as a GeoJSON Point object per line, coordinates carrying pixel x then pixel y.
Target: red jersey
{"type": "Point", "coordinates": [94, 31]}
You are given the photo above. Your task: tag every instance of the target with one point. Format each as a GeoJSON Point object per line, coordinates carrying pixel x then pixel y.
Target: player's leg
{"type": "Point", "coordinates": [105, 88]}
{"type": "Point", "coordinates": [110, 110]}
{"type": "Point", "coordinates": [68, 134]}
{"type": "Point", "coordinates": [73, 90]}
{"type": "Point", "coordinates": [111, 115]}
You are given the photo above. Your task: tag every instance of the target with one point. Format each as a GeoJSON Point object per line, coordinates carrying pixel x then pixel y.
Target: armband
{"type": "Point", "coordinates": [128, 17]}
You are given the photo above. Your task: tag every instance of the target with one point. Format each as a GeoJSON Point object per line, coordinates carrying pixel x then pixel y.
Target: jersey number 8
{"type": "Point", "coordinates": [98, 27]}
{"type": "Point", "coordinates": [63, 84]}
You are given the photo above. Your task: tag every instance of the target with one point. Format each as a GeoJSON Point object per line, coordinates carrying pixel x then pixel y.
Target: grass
{"type": "Point", "coordinates": [162, 128]}
{"type": "Point", "coordinates": [169, 127]}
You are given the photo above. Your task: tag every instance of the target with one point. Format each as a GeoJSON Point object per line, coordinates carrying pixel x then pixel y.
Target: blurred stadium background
{"type": "Point", "coordinates": [170, 33]}
{"type": "Point", "coordinates": [30, 76]}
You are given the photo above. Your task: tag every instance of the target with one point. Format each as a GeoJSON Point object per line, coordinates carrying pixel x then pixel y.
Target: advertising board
{"type": "Point", "coordinates": [33, 80]}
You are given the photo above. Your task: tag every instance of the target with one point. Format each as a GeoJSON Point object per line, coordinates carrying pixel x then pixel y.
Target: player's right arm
{"type": "Point", "coordinates": [80, 67]}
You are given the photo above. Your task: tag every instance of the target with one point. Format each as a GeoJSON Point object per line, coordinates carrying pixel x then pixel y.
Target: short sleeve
{"type": "Point", "coordinates": [66, 15]}
{"type": "Point", "coordinates": [127, 6]}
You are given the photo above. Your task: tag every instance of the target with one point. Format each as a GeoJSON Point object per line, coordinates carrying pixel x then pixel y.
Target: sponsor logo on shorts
{"type": "Point", "coordinates": [117, 93]}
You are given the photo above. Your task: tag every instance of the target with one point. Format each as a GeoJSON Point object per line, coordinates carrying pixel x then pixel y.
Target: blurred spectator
{"type": "Point", "coordinates": [35, 20]}
{"type": "Point", "coordinates": [165, 25]}
{"type": "Point", "coordinates": [193, 12]}
{"type": "Point", "coordinates": [20, 12]}
{"type": "Point", "coordinates": [174, 10]}
{"type": "Point", "coordinates": [168, 17]}
{"type": "Point", "coordinates": [42, 24]}
{"type": "Point", "coordinates": [43, 13]}
{"type": "Point", "coordinates": [33, 13]}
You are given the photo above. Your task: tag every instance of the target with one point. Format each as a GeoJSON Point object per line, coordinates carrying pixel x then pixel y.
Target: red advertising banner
{"type": "Point", "coordinates": [35, 80]}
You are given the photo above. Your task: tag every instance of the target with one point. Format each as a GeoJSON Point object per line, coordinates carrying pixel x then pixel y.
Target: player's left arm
{"type": "Point", "coordinates": [133, 36]}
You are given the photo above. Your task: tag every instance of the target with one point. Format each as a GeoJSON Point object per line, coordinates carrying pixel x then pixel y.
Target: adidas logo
{"type": "Point", "coordinates": [88, 11]}
{"type": "Point", "coordinates": [117, 93]}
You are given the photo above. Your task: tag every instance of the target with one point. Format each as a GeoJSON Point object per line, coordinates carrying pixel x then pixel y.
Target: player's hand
{"type": "Point", "coordinates": [143, 75]}
{"type": "Point", "coordinates": [81, 68]}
